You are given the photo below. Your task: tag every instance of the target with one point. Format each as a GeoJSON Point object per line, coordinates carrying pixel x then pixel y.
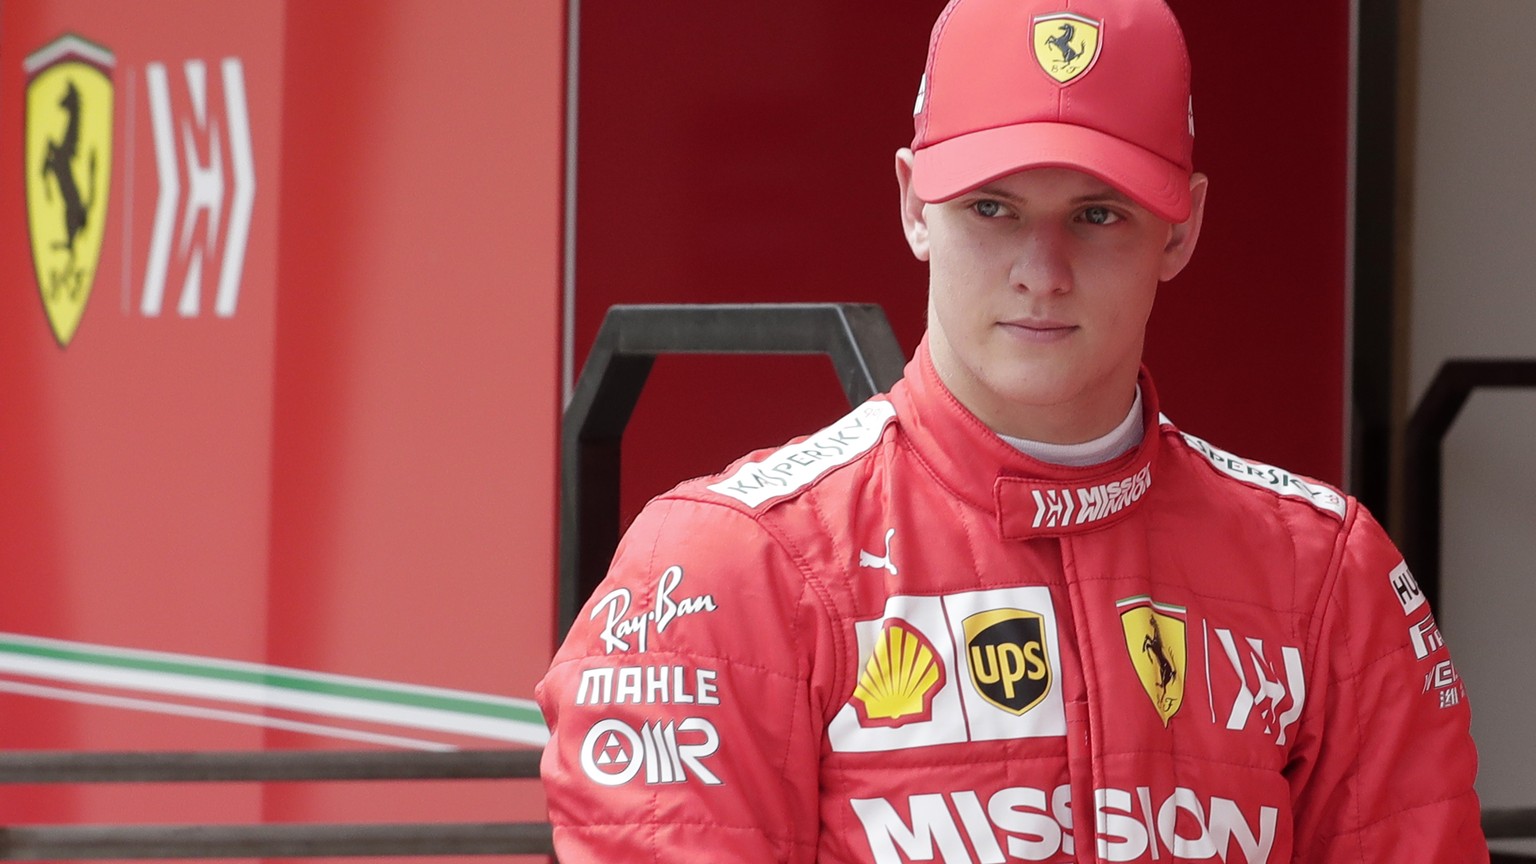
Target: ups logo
{"type": "Point", "coordinates": [1008, 660]}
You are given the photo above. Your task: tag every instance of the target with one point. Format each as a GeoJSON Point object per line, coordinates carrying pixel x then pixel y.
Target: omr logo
{"type": "Point", "coordinates": [207, 186]}
{"type": "Point", "coordinates": [614, 752]}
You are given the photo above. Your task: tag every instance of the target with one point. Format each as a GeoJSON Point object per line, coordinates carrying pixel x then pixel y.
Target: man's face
{"type": "Point", "coordinates": [1040, 286]}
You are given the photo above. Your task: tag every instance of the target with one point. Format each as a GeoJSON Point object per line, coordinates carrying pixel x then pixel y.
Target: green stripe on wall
{"type": "Point", "coordinates": [485, 705]}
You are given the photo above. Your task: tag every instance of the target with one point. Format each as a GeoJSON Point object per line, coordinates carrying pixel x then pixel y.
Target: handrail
{"type": "Point", "coordinates": [1423, 450]}
{"type": "Point", "coordinates": [273, 840]}
{"type": "Point", "coordinates": [263, 766]}
{"type": "Point", "coordinates": [1424, 442]}
{"type": "Point", "coordinates": [291, 840]}
{"type": "Point", "coordinates": [857, 338]}
{"type": "Point", "coordinates": [1514, 823]}
{"type": "Point", "coordinates": [630, 352]}
{"type": "Point", "coordinates": [81, 842]}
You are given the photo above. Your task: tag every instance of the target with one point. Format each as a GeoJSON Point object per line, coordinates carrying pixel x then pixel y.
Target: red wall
{"type": "Point", "coordinates": [742, 152]}
{"type": "Point", "coordinates": [352, 473]}
{"type": "Point", "coordinates": [417, 364]}
{"type": "Point", "coordinates": [135, 511]}
{"type": "Point", "coordinates": [355, 471]}
{"type": "Point", "coordinates": [1249, 344]}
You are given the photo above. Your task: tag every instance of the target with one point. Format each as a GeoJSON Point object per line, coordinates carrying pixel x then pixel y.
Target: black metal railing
{"type": "Point", "coordinates": [867, 360]}
{"type": "Point", "coordinates": [856, 337]}
{"type": "Point", "coordinates": [85, 842]}
{"type": "Point", "coordinates": [1423, 450]}
{"type": "Point", "coordinates": [275, 840]}
{"type": "Point", "coordinates": [1424, 442]}
{"type": "Point", "coordinates": [1516, 823]}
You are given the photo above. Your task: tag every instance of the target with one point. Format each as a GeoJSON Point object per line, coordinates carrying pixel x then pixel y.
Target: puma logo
{"type": "Point", "coordinates": [883, 562]}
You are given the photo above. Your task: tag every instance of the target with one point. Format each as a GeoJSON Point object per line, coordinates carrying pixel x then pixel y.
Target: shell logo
{"type": "Point", "coordinates": [900, 678]}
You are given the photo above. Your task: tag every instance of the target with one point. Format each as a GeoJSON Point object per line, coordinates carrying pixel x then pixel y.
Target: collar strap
{"type": "Point", "coordinates": [1028, 507]}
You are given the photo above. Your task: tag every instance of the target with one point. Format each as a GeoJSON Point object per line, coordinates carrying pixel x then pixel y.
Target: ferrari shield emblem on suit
{"type": "Point", "coordinates": [1154, 636]}
{"type": "Point", "coordinates": [68, 171]}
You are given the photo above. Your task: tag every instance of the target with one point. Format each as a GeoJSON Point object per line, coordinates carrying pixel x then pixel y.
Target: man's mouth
{"type": "Point", "coordinates": [1038, 329]}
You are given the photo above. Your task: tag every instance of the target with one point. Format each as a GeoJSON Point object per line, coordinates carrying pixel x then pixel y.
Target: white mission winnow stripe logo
{"type": "Point", "coordinates": [162, 678]}
{"type": "Point", "coordinates": [1054, 507]}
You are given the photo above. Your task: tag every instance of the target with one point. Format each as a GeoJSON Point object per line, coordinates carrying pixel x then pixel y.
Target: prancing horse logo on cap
{"type": "Point", "coordinates": [1066, 45]}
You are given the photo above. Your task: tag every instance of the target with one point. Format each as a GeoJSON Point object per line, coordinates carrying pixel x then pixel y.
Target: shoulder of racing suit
{"type": "Point", "coordinates": [764, 478]}
{"type": "Point", "coordinates": [1258, 475]}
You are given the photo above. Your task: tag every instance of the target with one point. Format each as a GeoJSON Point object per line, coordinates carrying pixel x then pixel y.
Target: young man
{"type": "Point", "coordinates": [1008, 611]}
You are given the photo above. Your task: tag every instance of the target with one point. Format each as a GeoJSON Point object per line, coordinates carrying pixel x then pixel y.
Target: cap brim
{"type": "Point", "coordinates": [949, 168]}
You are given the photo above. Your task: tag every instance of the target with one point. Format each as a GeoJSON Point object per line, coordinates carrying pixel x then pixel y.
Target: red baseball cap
{"type": "Point", "coordinates": [1100, 86]}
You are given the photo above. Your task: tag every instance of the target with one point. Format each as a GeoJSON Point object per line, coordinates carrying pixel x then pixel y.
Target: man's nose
{"type": "Point", "coordinates": [1043, 263]}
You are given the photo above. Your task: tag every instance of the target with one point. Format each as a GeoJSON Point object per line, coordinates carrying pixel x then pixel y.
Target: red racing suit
{"type": "Point", "coordinates": [900, 639]}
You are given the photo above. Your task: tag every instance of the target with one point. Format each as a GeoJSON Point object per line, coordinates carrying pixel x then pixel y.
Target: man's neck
{"type": "Point", "coordinates": [1121, 439]}
{"type": "Point", "coordinates": [1050, 410]}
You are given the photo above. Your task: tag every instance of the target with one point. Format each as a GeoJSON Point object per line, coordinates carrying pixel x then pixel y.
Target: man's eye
{"type": "Point", "coordinates": [1100, 216]}
{"type": "Point", "coordinates": [988, 208]}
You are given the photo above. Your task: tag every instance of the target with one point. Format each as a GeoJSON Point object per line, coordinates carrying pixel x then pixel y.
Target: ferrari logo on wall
{"type": "Point", "coordinates": [207, 175]}
{"type": "Point", "coordinates": [1066, 45]}
{"type": "Point", "coordinates": [68, 171]}
{"type": "Point", "coordinates": [1154, 635]}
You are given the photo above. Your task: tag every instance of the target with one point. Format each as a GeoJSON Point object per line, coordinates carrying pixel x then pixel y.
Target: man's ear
{"type": "Point", "coordinates": [913, 223]}
{"type": "Point", "coordinates": [1183, 236]}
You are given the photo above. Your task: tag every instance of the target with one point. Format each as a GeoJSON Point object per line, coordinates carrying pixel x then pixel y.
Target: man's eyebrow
{"type": "Point", "coordinates": [1108, 193]}
{"type": "Point", "coordinates": [994, 192]}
